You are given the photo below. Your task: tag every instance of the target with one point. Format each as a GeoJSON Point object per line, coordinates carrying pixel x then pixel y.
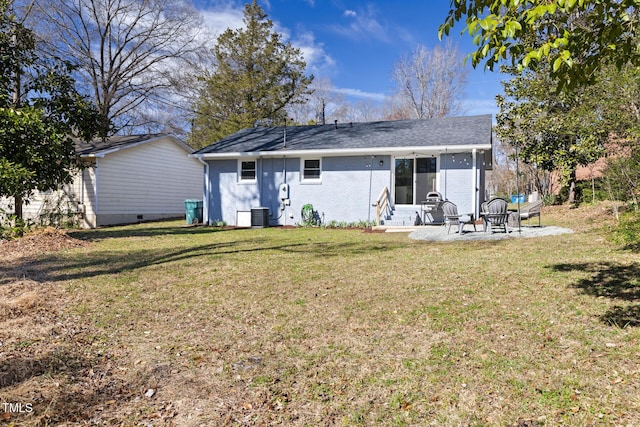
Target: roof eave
{"type": "Point", "coordinates": [347, 151]}
{"type": "Point", "coordinates": [103, 153]}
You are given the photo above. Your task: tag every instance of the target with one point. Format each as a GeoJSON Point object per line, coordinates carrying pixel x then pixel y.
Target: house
{"type": "Point", "coordinates": [342, 169]}
{"type": "Point", "coordinates": [126, 179]}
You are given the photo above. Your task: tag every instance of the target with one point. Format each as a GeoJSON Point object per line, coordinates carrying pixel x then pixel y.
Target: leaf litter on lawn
{"type": "Point", "coordinates": [318, 327]}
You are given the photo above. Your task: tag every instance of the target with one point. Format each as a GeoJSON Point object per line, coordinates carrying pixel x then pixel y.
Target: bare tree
{"type": "Point", "coordinates": [428, 83]}
{"type": "Point", "coordinates": [129, 54]}
{"type": "Point", "coordinates": [364, 111]}
{"type": "Point", "coordinates": [324, 105]}
{"type": "Point", "coordinates": [511, 176]}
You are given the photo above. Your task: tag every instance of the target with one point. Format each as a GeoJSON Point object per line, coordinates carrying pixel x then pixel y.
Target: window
{"type": "Point", "coordinates": [311, 169]}
{"type": "Point", "coordinates": [247, 170]}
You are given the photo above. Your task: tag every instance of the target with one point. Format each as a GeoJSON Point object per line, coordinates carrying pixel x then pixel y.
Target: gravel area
{"type": "Point", "coordinates": [439, 233]}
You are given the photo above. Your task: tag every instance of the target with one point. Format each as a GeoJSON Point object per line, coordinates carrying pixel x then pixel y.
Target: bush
{"type": "Point", "coordinates": [12, 227]}
{"type": "Point", "coordinates": [627, 231]}
{"type": "Point", "coordinates": [551, 200]}
{"type": "Point", "coordinates": [344, 224]}
{"type": "Point", "coordinates": [586, 194]}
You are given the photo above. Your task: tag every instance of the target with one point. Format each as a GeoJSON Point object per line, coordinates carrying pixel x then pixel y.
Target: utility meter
{"type": "Point", "coordinates": [284, 191]}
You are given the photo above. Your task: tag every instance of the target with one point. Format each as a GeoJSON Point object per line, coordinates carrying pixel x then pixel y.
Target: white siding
{"type": "Point", "coordinates": [73, 201]}
{"type": "Point", "coordinates": [151, 180]}
{"type": "Point", "coordinates": [144, 182]}
{"type": "Point", "coordinates": [87, 188]}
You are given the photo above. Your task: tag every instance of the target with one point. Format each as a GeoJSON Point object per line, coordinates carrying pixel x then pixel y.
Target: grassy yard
{"type": "Point", "coordinates": [162, 324]}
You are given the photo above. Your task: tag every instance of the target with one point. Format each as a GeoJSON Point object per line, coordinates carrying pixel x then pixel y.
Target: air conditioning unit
{"type": "Point", "coordinates": [259, 217]}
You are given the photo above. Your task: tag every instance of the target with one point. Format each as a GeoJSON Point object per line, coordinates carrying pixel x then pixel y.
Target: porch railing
{"type": "Point", "coordinates": [382, 204]}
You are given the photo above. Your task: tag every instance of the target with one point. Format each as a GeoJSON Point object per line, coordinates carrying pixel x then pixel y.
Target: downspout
{"type": "Point", "coordinates": [446, 166]}
{"type": "Point", "coordinates": [205, 198]}
{"type": "Point", "coordinates": [95, 193]}
{"type": "Point", "coordinates": [370, 185]}
{"type": "Point", "coordinates": [474, 197]}
{"type": "Point", "coordinates": [283, 205]}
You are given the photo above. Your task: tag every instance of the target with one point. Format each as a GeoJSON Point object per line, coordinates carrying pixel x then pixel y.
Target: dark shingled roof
{"type": "Point", "coordinates": [449, 131]}
{"type": "Point", "coordinates": [116, 142]}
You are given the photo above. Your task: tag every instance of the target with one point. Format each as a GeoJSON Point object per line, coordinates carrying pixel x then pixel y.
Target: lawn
{"type": "Point", "coordinates": [163, 324]}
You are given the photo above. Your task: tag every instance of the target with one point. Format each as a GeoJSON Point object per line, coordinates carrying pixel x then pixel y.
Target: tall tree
{"type": "Point", "coordinates": [129, 54]}
{"type": "Point", "coordinates": [40, 112]}
{"type": "Point", "coordinates": [577, 37]}
{"type": "Point", "coordinates": [257, 76]}
{"type": "Point", "coordinates": [429, 83]}
{"type": "Point", "coordinates": [553, 131]}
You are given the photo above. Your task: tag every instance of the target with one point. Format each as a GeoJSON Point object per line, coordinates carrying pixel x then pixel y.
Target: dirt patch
{"type": "Point", "coordinates": [36, 340]}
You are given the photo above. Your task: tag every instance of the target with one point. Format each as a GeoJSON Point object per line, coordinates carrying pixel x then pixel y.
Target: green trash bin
{"type": "Point", "coordinates": [193, 209]}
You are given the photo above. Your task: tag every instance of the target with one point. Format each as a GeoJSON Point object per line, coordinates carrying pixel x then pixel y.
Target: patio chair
{"type": "Point", "coordinates": [530, 211]}
{"type": "Point", "coordinates": [452, 217]}
{"type": "Point", "coordinates": [495, 214]}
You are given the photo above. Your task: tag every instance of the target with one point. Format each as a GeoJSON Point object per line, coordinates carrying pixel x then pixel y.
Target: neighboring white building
{"type": "Point", "coordinates": [127, 179]}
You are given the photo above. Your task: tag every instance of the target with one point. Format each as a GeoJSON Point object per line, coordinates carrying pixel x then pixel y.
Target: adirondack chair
{"type": "Point", "coordinates": [452, 217]}
{"type": "Point", "coordinates": [530, 211]}
{"type": "Point", "coordinates": [495, 215]}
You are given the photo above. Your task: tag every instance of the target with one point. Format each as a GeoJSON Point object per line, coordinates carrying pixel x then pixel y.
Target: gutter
{"type": "Point", "coordinates": [346, 151]}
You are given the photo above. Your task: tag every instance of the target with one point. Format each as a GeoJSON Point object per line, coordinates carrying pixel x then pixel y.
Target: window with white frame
{"type": "Point", "coordinates": [311, 169]}
{"type": "Point", "coordinates": [247, 170]}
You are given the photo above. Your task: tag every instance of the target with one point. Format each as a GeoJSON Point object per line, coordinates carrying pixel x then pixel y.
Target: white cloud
{"type": "Point", "coordinates": [226, 15]}
{"type": "Point", "coordinates": [357, 93]}
{"type": "Point", "coordinates": [363, 25]}
{"type": "Point", "coordinates": [229, 15]}
{"type": "Point", "coordinates": [217, 21]}
{"type": "Point", "coordinates": [319, 62]}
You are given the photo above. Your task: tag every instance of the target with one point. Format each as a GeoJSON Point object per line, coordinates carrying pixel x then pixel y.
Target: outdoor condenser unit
{"type": "Point", "coordinates": [259, 217]}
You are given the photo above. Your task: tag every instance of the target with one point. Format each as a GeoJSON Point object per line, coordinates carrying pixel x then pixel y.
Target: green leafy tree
{"type": "Point", "coordinates": [552, 131]}
{"type": "Point", "coordinates": [577, 37]}
{"type": "Point", "coordinates": [40, 113]}
{"type": "Point", "coordinates": [257, 76]}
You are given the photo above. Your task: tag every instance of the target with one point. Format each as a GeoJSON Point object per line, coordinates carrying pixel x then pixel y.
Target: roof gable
{"type": "Point", "coordinates": [100, 147]}
{"type": "Point", "coordinates": [444, 132]}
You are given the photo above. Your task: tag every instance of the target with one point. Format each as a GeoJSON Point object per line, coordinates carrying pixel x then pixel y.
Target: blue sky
{"type": "Point", "coordinates": [355, 43]}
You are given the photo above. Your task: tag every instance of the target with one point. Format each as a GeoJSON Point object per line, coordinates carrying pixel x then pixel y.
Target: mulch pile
{"type": "Point", "coordinates": [37, 242]}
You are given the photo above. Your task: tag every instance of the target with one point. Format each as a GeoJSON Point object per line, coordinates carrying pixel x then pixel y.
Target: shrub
{"type": "Point", "coordinates": [627, 231]}
{"type": "Point", "coordinates": [363, 223]}
{"type": "Point", "coordinates": [590, 192]}
{"type": "Point", "coordinates": [12, 227]}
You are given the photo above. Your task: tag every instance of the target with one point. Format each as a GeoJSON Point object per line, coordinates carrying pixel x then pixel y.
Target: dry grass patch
{"type": "Point", "coordinates": [160, 324]}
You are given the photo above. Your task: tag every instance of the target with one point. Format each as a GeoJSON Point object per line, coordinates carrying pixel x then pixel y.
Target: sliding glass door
{"type": "Point", "coordinates": [414, 178]}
